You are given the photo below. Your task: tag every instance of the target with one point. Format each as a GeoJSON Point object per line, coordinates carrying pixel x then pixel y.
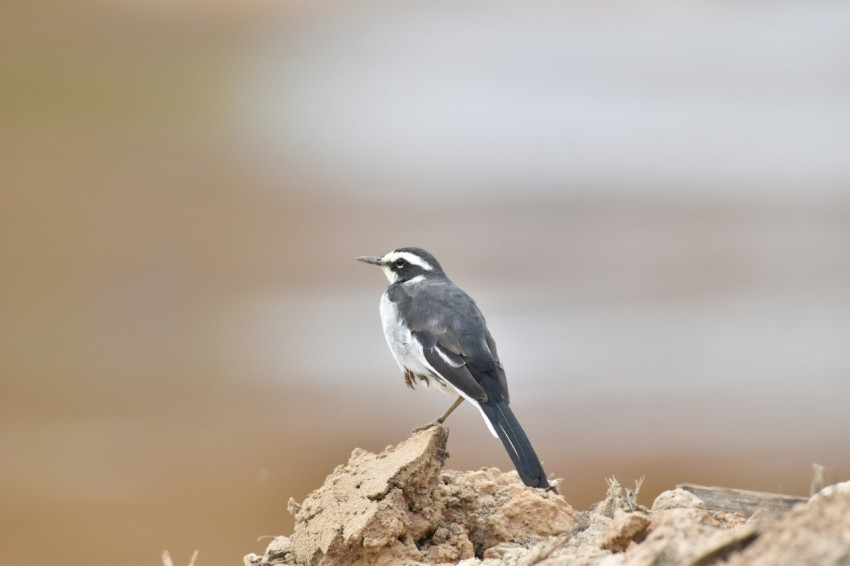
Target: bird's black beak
{"type": "Point", "coordinates": [373, 259]}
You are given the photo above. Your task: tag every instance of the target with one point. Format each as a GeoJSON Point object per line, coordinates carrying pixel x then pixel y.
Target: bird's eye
{"type": "Point", "coordinates": [400, 263]}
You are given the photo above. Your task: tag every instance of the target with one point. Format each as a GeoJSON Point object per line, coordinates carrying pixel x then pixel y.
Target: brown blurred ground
{"type": "Point", "coordinates": [132, 230]}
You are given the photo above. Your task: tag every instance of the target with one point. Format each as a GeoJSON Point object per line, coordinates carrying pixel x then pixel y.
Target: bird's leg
{"type": "Point", "coordinates": [451, 409]}
{"type": "Point", "coordinates": [442, 419]}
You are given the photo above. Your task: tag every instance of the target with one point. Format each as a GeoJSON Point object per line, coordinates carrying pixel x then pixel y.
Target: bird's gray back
{"type": "Point", "coordinates": [439, 307]}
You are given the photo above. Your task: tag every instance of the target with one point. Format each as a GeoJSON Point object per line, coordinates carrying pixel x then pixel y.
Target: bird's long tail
{"type": "Point", "coordinates": [516, 443]}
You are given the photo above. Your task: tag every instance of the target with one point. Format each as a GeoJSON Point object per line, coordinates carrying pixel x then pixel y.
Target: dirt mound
{"type": "Point", "coordinates": [401, 507]}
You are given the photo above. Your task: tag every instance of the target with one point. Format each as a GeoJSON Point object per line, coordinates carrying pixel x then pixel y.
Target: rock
{"type": "Point", "coordinates": [817, 533]}
{"type": "Point", "coordinates": [398, 506]}
{"type": "Point", "coordinates": [677, 536]}
{"type": "Point", "coordinates": [401, 507]}
{"type": "Point", "coordinates": [373, 510]}
{"type": "Point", "coordinates": [497, 508]}
{"type": "Point", "coordinates": [625, 529]}
{"type": "Point", "coordinates": [677, 499]}
{"type": "Point", "coordinates": [278, 553]}
{"type": "Point", "coordinates": [831, 490]}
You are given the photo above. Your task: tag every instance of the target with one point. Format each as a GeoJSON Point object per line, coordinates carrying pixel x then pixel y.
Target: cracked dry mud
{"type": "Point", "coordinates": [402, 507]}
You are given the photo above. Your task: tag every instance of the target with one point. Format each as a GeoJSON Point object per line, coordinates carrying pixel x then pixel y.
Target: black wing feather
{"type": "Point", "coordinates": [457, 375]}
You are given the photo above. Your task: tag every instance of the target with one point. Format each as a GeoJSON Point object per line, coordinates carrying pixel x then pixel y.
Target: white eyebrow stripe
{"type": "Point", "coordinates": [410, 258]}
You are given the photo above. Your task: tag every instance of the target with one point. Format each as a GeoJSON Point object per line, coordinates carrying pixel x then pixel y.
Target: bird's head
{"type": "Point", "coordinates": [406, 264]}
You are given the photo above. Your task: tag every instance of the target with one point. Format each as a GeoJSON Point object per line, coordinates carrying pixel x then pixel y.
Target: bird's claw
{"type": "Point", "coordinates": [435, 422]}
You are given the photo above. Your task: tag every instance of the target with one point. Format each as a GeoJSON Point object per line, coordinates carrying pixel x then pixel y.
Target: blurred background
{"type": "Point", "coordinates": [651, 204]}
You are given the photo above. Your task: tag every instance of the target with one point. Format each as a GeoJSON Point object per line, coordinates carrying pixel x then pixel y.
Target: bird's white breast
{"type": "Point", "coordinates": [406, 350]}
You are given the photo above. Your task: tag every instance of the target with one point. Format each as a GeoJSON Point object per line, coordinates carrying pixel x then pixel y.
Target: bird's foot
{"type": "Point", "coordinates": [435, 422]}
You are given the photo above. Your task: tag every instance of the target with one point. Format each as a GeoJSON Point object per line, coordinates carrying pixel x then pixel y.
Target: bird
{"type": "Point", "coordinates": [440, 340]}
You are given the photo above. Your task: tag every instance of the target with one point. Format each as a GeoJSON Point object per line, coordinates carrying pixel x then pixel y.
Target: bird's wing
{"type": "Point", "coordinates": [500, 371]}
{"type": "Point", "coordinates": [453, 349]}
{"type": "Point", "coordinates": [443, 353]}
